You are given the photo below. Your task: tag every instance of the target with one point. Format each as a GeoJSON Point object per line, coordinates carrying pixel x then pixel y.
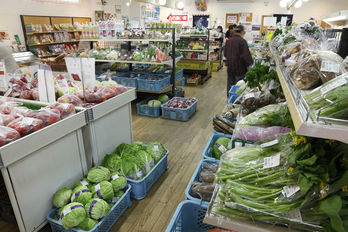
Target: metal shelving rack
{"type": "Point", "coordinates": [171, 63]}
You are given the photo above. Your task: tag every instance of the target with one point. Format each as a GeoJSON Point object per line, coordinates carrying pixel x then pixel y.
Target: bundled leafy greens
{"type": "Point", "coordinates": [72, 215]}
{"type": "Point", "coordinates": [81, 194]}
{"type": "Point", "coordinates": [97, 208]}
{"type": "Point", "coordinates": [98, 174]}
{"type": "Point", "coordinates": [156, 150]}
{"type": "Point", "coordinates": [112, 162]}
{"type": "Point", "coordinates": [103, 190]}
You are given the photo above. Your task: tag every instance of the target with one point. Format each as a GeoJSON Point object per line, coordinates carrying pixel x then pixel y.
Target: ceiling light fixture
{"type": "Point", "coordinates": [127, 4]}
{"type": "Point", "coordinates": [180, 5]}
{"type": "Point", "coordinates": [283, 4]}
{"type": "Point", "coordinates": [162, 2]}
{"type": "Point", "coordinates": [298, 4]}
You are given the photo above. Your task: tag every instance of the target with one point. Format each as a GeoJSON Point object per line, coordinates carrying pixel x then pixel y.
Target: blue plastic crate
{"type": "Point", "coordinates": [179, 114]}
{"type": "Point", "coordinates": [182, 83]}
{"type": "Point", "coordinates": [178, 75]}
{"type": "Point", "coordinates": [208, 153]}
{"type": "Point", "coordinates": [141, 187]}
{"type": "Point", "coordinates": [144, 83]}
{"type": "Point", "coordinates": [151, 111]}
{"type": "Point", "coordinates": [196, 177]}
{"type": "Point", "coordinates": [127, 79]}
{"type": "Point", "coordinates": [189, 217]}
{"type": "Point", "coordinates": [105, 223]}
{"type": "Point", "coordinates": [232, 99]}
{"type": "Point", "coordinates": [233, 90]}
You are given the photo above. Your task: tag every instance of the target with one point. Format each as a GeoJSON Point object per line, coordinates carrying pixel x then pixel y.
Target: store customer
{"type": "Point", "coordinates": [238, 57]}
{"type": "Point", "coordinates": [230, 30]}
{"type": "Point", "coordinates": [6, 55]}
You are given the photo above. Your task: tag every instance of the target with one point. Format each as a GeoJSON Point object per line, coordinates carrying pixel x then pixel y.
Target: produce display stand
{"type": "Point", "coordinates": [193, 66]}
{"type": "Point", "coordinates": [109, 124]}
{"type": "Point", "coordinates": [304, 124]}
{"type": "Point", "coordinates": [171, 63]}
{"type": "Point", "coordinates": [37, 165]}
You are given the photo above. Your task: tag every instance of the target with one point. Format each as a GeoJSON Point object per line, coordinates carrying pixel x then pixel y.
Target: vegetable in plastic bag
{"type": "Point", "coordinates": [139, 145]}
{"type": "Point", "coordinates": [62, 197]}
{"type": "Point", "coordinates": [8, 135]}
{"type": "Point", "coordinates": [112, 162]}
{"type": "Point", "coordinates": [87, 224]}
{"type": "Point", "coordinates": [72, 215]}
{"type": "Point", "coordinates": [118, 181]}
{"type": "Point", "coordinates": [98, 174]}
{"type": "Point", "coordinates": [5, 119]}
{"type": "Point", "coordinates": [71, 98]}
{"type": "Point", "coordinates": [260, 134]}
{"type": "Point", "coordinates": [26, 125]}
{"type": "Point", "coordinates": [65, 109]}
{"type": "Point", "coordinates": [97, 208]}
{"type": "Point", "coordinates": [220, 147]}
{"type": "Point", "coordinates": [81, 194]}
{"type": "Point", "coordinates": [147, 160]}
{"type": "Point", "coordinates": [157, 150]}
{"type": "Point", "coordinates": [207, 176]}
{"type": "Point", "coordinates": [132, 165]}
{"type": "Point", "coordinates": [103, 190]}
{"type": "Point", "coordinates": [203, 191]}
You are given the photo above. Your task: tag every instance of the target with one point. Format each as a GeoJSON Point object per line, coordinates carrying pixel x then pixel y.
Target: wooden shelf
{"type": "Point", "coordinates": [49, 32]}
{"type": "Point", "coordinates": [304, 124]}
{"type": "Point", "coordinates": [61, 42]}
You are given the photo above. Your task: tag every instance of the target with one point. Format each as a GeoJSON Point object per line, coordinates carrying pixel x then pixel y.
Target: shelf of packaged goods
{"type": "Point", "coordinates": [129, 62]}
{"type": "Point", "coordinates": [125, 40]}
{"type": "Point", "coordinates": [61, 42]}
{"type": "Point", "coordinates": [191, 50]}
{"type": "Point", "coordinates": [165, 90]}
{"type": "Point", "coordinates": [49, 32]}
{"type": "Point", "coordinates": [303, 123]}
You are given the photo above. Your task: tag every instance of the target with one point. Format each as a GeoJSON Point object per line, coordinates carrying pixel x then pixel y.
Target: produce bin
{"type": "Point", "coordinates": [109, 124]}
{"type": "Point", "coordinates": [189, 217]}
{"type": "Point", "coordinates": [193, 65]}
{"type": "Point", "coordinates": [141, 187]}
{"type": "Point", "coordinates": [196, 177]}
{"type": "Point", "coordinates": [145, 84]}
{"type": "Point", "coordinates": [106, 223]}
{"type": "Point", "coordinates": [179, 114]}
{"type": "Point", "coordinates": [233, 90]}
{"type": "Point", "coordinates": [178, 74]}
{"type": "Point", "coordinates": [126, 79]}
{"type": "Point", "coordinates": [208, 153]}
{"type": "Point", "coordinates": [145, 110]}
{"type": "Point", "coordinates": [34, 167]}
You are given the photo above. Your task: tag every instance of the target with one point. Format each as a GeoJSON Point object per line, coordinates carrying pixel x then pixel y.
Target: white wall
{"type": "Point", "coordinates": [218, 10]}
{"type": "Point", "coordinates": [12, 9]}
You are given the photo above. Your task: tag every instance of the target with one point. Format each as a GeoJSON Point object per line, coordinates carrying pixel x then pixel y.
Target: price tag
{"type": "Point", "coordinates": [329, 66]}
{"type": "Point", "coordinates": [115, 177]}
{"type": "Point", "coordinates": [249, 95]}
{"type": "Point", "coordinates": [3, 79]}
{"type": "Point", "coordinates": [66, 211]}
{"type": "Point", "coordinates": [97, 187]}
{"type": "Point", "coordinates": [42, 85]}
{"type": "Point", "coordinates": [221, 148]}
{"type": "Point", "coordinates": [73, 65]}
{"type": "Point", "coordinates": [271, 143]}
{"type": "Point", "coordinates": [290, 190]}
{"type": "Point", "coordinates": [88, 69]}
{"type": "Point", "coordinates": [84, 182]}
{"type": "Point", "coordinates": [339, 81]}
{"type": "Point", "coordinates": [51, 92]}
{"type": "Point", "coordinates": [155, 148]}
{"type": "Point", "coordinates": [272, 161]}
{"type": "Point", "coordinates": [295, 215]}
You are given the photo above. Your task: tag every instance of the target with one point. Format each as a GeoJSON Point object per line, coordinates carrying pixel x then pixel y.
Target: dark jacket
{"type": "Point", "coordinates": [238, 57]}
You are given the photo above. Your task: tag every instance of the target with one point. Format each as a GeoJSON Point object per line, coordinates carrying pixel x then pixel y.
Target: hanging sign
{"type": "Point", "coordinates": [231, 19]}
{"type": "Point", "coordinates": [3, 80]}
{"type": "Point", "coordinates": [178, 17]}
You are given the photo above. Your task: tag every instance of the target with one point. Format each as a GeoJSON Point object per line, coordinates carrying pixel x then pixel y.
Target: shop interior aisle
{"type": "Point", "coordinates": [186, 142]}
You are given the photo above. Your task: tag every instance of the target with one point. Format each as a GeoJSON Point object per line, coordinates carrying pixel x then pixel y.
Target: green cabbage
{"type": "Point", "coordinates": [124, 148]}
{"type": "Point", "coordinates": [81, 194]}
{"type": "Point", "coordinates": [87, 224]}
{"type": "Point", "coordinates": [118, 182]}
{"type": "Point", "coordinates": [98, 174]}
{"type": "Point", "coordinates": [147, 160]}
{"type": "Point", "coordinates": [132, 166]}
{"type": "Point", "coordinates": [139, 145]}
{"type": "Point", "coordinates": [112, 162]}
{"type": "Point", "coordinates": [97, 208]}
{"type": "Point", "coordinates": [62, 197]}
{"type": "Point", "coordinates": [72, 215]}
{"type": "Point", "coordinates": [103, 190]}
{"type": "Point", "coordinates": [157, 150]}
{"type": "Point", "coordinates": [119, 194]}
{"type": "Point", "coordinates": [84, 182]}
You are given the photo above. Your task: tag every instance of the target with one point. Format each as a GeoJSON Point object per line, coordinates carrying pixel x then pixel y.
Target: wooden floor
{"type": "Point", "coordinates": [186, 142]}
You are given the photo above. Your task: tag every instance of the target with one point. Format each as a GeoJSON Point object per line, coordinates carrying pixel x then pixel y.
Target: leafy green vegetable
{"type": "Point", "coordinates": [118, 181]}
{"type": "Point", "coordinates": [87, 224]}
{"type": "Point", "coordinates": [112, 162]}
{"type": "Point", "coordinates": [97, 208]}
{"type": "Point", "coordinates": [81, 194]}
{"type": "Point", "coordinates": [156, 150]}
{"type": "Point", "coordinates": [219, 146]}
{"type": "Point", "coordinates": [62, 197]}
{"type": "Point", "coordinates": [72, 215]}
{"type": "Point", "coordinates": [119, 194]}
{"type": "Point", "coordinates": [84, 182]}
{"type": "Point", "coordinates": [98, 174]}
{"type": "Point", "coordinates": [103, 190]}
{"type": "Point", "coordinates": [139, 145]}
{"type": "Point", "coordinates": [124, 148]}
{"type": "Point", "coordinates": [132, 166]}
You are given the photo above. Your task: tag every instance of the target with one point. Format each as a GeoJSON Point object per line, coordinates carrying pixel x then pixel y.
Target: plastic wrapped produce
{"type": "Point", "coordinates": [6, 107]}
{"type": "Point", "coordinates": [8, 135]}
{"type": "Point", "coordinates": [25, 125]}
{"type": "Point", "coordinates": [65, 109]}
{"type": "Point", "coordinates": [259, 134]}
{"type": "Point", "coordinates": [6, 119]}
{"type": "Point", "coordinates": [203, 191]}
{"type": "Point", "coordinates": [335, 90]}
{"type": "Point", "coordinates": [48, 116]}
{"type": "Point", "coordinates": [208, 176]}
{"type": "Point", "coordinates": [70, 99]}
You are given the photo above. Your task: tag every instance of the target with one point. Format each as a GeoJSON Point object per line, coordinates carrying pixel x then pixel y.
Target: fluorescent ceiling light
{"type": "Point", "coordinates": [180, 5]}
{"type": "Point", "coordinates": [162, 2]}
{"type": "Point", "coordinates": [283, 3]}
{"type": "Point", "coordinates": [298, 4]}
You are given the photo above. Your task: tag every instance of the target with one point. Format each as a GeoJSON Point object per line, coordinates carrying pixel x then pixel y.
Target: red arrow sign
{"type": "Point", "coordinates": [181, 18]}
